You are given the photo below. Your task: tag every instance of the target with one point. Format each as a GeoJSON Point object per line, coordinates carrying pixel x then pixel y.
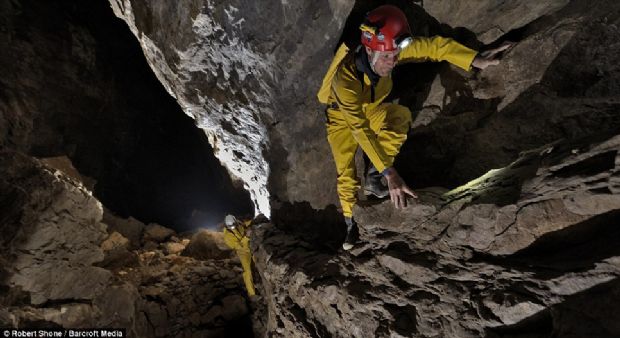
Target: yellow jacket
{"type": "Point", "coordinates": [353, 100]}
{"type": "Point", "coordinates": [237, 239]}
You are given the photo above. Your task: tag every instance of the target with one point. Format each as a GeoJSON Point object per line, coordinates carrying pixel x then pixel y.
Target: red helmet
{"type": "Point", "coordinates": [386, 29]}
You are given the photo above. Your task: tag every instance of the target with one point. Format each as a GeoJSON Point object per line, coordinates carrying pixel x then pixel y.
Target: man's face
{"type": "Point", "coordinates": [382, 63]}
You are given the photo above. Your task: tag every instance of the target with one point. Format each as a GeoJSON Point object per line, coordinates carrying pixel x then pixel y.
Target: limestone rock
{"type": "Point", "coordinates": [535, 96]}
{"type": "Point", "coordinates": [490, 20]}
{"type": "Point", "coordinates": [116, 251]}
{"type": "Point", "coordinates": [495, 255]}
{"type": "Point", "coordinates": [157, 233]}
{"type": "Point", "coordinates": [173, 248]}
{"type": "Point", "coordinates": [207, 245]}
{"type": "Point", "coordinates": [238, 76]}
{"type": "Point", "coordinates": [130, 227]}
{"type": "Point", "coordinates": [52, 238]}
{"type": "Point", "coordinates": [63, 163]}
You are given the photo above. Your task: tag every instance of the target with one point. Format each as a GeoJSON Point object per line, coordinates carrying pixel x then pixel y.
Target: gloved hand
{"type": "Point", "coordinates": [488, 57]}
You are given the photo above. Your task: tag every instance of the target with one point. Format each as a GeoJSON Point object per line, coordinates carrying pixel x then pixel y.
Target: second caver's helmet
{"type": "Point", "coordinates": [230, 221]}
{"type": "Point", "coordinates": [386, 29]}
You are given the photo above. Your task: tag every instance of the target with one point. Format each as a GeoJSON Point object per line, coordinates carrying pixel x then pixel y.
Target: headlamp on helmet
{"type": "Point", "coordinates": [230, 221]}
{"type": "Point", "coordinates": [386, 29]}
{"type": "Point", "coordinates": [404, 41]}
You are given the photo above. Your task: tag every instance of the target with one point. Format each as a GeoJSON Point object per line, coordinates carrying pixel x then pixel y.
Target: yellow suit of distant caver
{"type": "Point", "coordinates": [379, 128]}
{"type": "Point", "coordinates": [238, 240]}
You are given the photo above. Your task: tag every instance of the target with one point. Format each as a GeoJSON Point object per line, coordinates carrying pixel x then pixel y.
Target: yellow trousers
{"type": "Point", "coordinates": [237, 240]}
{"type": "Point", "coordinates": [246, 262]}
{"type": "Point", "coordinates": [390, 122]}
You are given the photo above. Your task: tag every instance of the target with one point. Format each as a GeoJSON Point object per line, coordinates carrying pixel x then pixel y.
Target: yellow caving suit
{"type": "Point", "coordinates": [379, 128]}
{"type": "Point", "coordinates": [238, 240]}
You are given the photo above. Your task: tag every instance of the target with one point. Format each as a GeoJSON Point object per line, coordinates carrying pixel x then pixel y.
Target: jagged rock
{"type": "Point", "coordinates": [120, 302]}
{"type": "Point", "coordinates": [454, 264]}
{"type": "Point", "coordinates": [433, 105]}
{"type": "Point", "coordinates": [173, 248]}
{"type": "Point", "coordinates": [156, 233]}
{"type": "Point", "coordinates": [116, 253]}
{"type": "Point", "coordinates": [56, 251]}
{"type": "Point", "coordinates": [207, 245]}
{"type": "Point", "coordinates": [52, 237]}
{"type": "Point", "coordinates": [130, 227]}
{"type": "Point", "coordinates": [63, 163]}
{"type": "Point", "coordinates": [66, 92]}
{"type": "Point", "coordinates": [489, 19]}
{"type": "Point", "coordinates": [531, 246]}
{"type": "Point", "coordinates": [238, 76]}
{"type": "Point", "coordinates": [535, 96]}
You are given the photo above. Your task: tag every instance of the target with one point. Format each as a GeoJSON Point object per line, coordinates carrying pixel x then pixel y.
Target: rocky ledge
{"type": "Point", "coordinates": [524, 251]}
{"type": "Point", "coordinates": [67, 262]}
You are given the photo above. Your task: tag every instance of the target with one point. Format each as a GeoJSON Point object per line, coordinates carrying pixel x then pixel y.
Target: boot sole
{"type": "Point", "coordinates": [368, 193]}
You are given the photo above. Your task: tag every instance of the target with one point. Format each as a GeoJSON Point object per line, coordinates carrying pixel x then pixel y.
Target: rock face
{"type": "Point", "coordinates": [483, 120]}
{"type": "Point", "coordinates": [61, 268]}
{"type": "Point", "coordinates": [75, 84]}
{"type": "Point", "coordinates": [517, 167]}
{"type": "Point", "coordinates": [52, 232]}
{"type": "Point", "coordinates": [510, 253]}
{"type": "Point", "coordinates": [250, 83]}
{"type": "Point", "coordinates": [490, 20]}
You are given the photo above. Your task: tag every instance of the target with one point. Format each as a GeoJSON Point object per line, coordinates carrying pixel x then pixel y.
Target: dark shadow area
{"type": "Point", "coordinates": [539, 325]}
{"type": "Point", "coordinates": [470, 137]}
{"type": "Point", "coordinates": [503, 187]}
{"type": "Point", "coordinates": [574, 249]}
{"type": "Point", "coordinates": [81, 77]}
{"type": "Point", "coordinates": [240, 327]}
{"type": "Point", "coordinates": [324, 228]}
{"type": "Point", "coordinates": [590, 166]}
{"type": "Point", "coordinates": [589, 313]}
{"type": "Point", "coordinates": [313, 327]}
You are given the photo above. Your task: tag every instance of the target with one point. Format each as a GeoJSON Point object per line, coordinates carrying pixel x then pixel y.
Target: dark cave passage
{"type": "Point", "coordinates": [99, 103]}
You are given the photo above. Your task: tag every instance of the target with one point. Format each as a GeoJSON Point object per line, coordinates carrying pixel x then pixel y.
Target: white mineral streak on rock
{"type": "Point", "coordinates": [251, 136]}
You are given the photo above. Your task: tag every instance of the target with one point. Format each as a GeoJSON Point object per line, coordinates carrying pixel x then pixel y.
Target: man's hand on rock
{"type": "Point", "coordinates": [489, 57]}
{"type": "Point", "coordinates": [398, 188]}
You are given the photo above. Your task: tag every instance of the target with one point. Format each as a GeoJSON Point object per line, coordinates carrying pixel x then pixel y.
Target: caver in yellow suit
{"type": "Point", "coordinates": [357, 115]}
{"type": "Point", "coordinates": [236, 237]}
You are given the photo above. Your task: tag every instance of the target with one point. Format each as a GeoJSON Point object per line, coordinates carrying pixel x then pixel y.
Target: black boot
{"type": "Point", "coordinates": [374, 185]}
{"type": "Point", "coordinates": [351, 238]}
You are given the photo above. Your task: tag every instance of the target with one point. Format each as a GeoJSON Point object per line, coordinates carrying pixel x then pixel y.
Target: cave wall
{"type": "Point", "coordinates": [65, 263]}
{"type": "Point", "coordinates": [74, 83]}
{"type": "Point", "coordinates": [250, 83]}
{"type": "Point", "coordinates": [520, 238]}
{"type": "Point", "coordinates": [521, 250]}
{"type": "Point", "coordinates": [241, 77]}
{"type": "Point", "coordinates": [559, 82]}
